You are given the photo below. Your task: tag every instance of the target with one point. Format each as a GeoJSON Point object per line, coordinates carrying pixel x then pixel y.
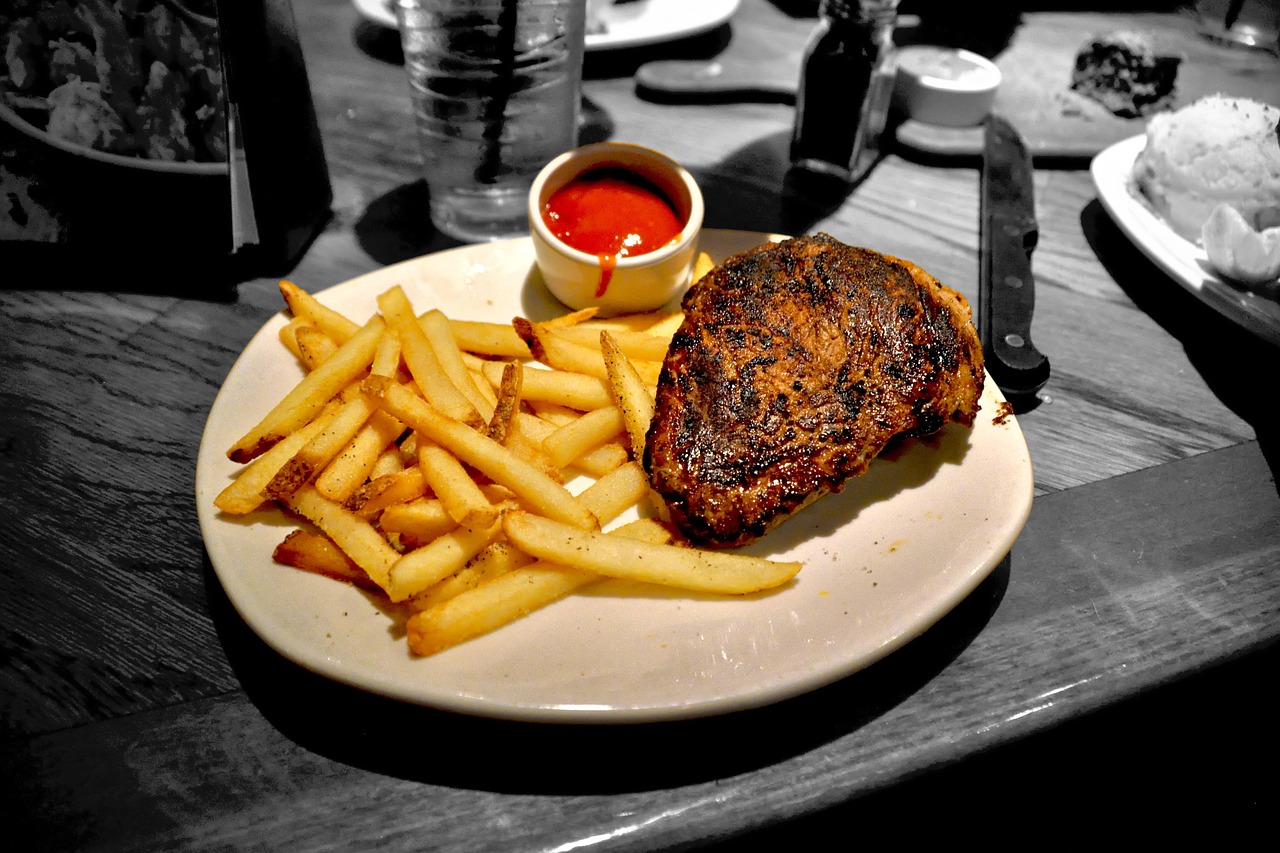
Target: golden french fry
{"type": "Point", "coordinates": [558, 353]}
{"type": "Point", "coordinates": [615, 492]}
{"type": "Point", "coordinates": [357, 538]}
{"type": "Point", "coordinates": [310, 395]}
{"type": "Point", "coordinates": [449, 480]}
{"type": "Point", "coordinates": [418, 521]}
{"type": "Point", "coordinates": [496, 559]}
{"type": "Point", "coordinates": [289, 335]}
{"type": "Point", "coordinates": [597, 462]}
{"type": "Point", "coordinates": [387, 463]}
{"type": "Point", "coordinates": [573, 390]}
{"type": "Point", "coordinates": [634, 322]}
{"type": "Point", "coordinates": [314, 346]}
{"type": "Point", "coordinates": [247, 492]}
{"type": "Point", "coordinates": [551, 347]}
{"type": "Point", "coordinates": [554, 413]}
{"type": "Point", "coordinates": [667, 565]}
{"type": "Point", "coordinates": [637, 403]}
{"type": "Point", "coordinates": [630, 394]}
{"type": "Point", "coordinates": [508, 403]}
{"type": "Point", "coordinates": [573, 318]}
{"type": "Point", "coordinates": [436, 327]}
{"type": "Point", "coordinates": [492, 339]}
{"type": "Point", "coordinates": [607, 498]}
{"type": "Point", "coordinates": [386, 357]}
{"type": "Point", "coordinates": [702, 265]}
{"type": "Point", "coordinates": [334, 324]}
{"type": "Point", "coordinates": [386, 490]}
{"type": "Point", "coordinates": [639, 346]}
{"type": "Point", "coordinates": [483, 453]}
{"type": "Point", "coordinates": [490, 606]}
{"type": "Point", "coordinates": [364, 456]}
{"type": "Point", "coordinates": [519, 443]}
{"type": "Point", "coordinates": [328, 443]}
{"type": "Point", "coordinates": [438, 559]}
{"type": "Point", "coordinates": [667, 326]}
{"type": "Point", "coordinates": [509, 597]}
{"type": "Point", "coordinates": [314, 552]}
{"type": "Point", "coordinates": [420, 358]}
{"type": "Point", "coordinates": [583, 434]}
{"type": "Point", "coordinates": [409, 449]}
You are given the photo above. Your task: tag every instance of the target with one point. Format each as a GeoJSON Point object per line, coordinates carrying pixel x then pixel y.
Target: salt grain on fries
{"type": "Point", "coordinates": [428, 456]}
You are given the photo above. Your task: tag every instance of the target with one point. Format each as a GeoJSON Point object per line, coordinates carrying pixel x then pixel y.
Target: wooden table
{"type": "Point", "coordinates": [1116, 660]}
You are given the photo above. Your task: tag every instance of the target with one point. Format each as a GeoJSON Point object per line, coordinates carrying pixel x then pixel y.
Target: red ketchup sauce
{"type": "Point", "coordinates": [611, 213]}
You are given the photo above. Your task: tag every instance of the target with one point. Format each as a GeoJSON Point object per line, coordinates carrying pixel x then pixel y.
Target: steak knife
{"type": "Point", "coordinates": [1006, 287]}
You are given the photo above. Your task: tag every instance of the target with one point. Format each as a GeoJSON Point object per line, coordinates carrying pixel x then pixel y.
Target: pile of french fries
{"type": "Point", "coordinates": [426, 459]}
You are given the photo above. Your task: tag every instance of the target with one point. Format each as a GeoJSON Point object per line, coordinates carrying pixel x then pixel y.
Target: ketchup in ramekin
{"type": "Point", "coordinates": [611, 213]}
{"type": "Point", "coordinates": [615, 227]}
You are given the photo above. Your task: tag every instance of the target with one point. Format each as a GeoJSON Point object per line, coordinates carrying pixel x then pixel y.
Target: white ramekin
{"type": "Point", "coordinates": [639, 282]}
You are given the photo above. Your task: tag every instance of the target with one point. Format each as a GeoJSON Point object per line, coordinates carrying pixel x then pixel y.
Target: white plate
{"type": "Point", "coordinates": [632, 24]}
{"type": "Point", "coordinates": [10, 117]}
{"type": "Point", "coordinates": [1183, 260]}
{"type": "Point", "coordinates": [884, 560]}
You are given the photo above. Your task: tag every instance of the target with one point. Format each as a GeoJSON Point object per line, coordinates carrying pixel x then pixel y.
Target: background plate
{"type": "Point", "coordinates": [632, 24]}
{"type": "Point", "coordinates": [1183, 260]}
{"type": "Point", "coordinates": [884, 560]}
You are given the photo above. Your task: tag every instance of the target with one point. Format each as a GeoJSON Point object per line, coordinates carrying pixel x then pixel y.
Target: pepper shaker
{"type": "Point", "coordinates": [846, 83]}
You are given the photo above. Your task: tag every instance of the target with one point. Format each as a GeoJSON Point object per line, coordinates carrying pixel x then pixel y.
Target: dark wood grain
{"type": "Point", "coordinates": [294, 754]}
{"type": "Point", "coordinates": [138, 712]}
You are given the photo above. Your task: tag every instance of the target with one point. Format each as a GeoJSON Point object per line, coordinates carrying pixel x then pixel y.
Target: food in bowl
{"type": "Point", "coordinates": [136, 80]}
{"type": "Point", "coordinates": [944, 86]}
{"type": "Point", "coordinates": [1123, 72]}
{"type": "Point", "coordinates": [1217, 150]}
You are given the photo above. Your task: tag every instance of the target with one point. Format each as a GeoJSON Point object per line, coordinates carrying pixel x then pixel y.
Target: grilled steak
{"type": "Point", "coordinates": [795, 365]}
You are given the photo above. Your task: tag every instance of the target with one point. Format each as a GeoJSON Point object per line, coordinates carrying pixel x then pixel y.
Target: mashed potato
{"type": "Point", "coordinates": [1214, 151]}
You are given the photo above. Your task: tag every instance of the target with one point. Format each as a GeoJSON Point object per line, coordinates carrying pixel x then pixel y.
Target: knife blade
{"type": "Point", "coordinates": [1006, 287]}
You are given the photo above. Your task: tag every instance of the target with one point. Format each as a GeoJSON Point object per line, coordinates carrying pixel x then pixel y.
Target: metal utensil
{"type": "Point", "coordinates": [1006, 286]}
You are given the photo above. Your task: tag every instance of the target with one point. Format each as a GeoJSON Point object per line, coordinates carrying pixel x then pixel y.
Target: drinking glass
{"type": "Point", "coordinates": [496, 87]}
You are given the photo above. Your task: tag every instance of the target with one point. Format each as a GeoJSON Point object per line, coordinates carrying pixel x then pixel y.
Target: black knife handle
{"type": "Point", "coordinates": [1007, 302]}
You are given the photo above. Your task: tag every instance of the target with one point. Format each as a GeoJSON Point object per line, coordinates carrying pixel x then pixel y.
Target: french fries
{"type": "Point", "coordinates": [305, 400]}
{"type": "Point", "coordinates": [667, 565]}
{"type": "Point", "coordinates": [435, 461]}
{"type": "Point", "coordinates": [553, 347]}
{"type": "Point", "coordinates": [578, 391]}
{"type": "Point", "coordinates": [478, 450]}
{"type": "Point", "coordinates": [493, 603]}
{"type": "Point", "coordinates": [315, 552]}
{"type": "Point", "coordinates": [304, 305]}
{"type": "Point", "coordinates": [629, 393]}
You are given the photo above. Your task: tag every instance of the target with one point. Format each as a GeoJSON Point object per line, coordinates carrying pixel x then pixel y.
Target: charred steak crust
{"type": "Point", "coordinates": [795, 364]}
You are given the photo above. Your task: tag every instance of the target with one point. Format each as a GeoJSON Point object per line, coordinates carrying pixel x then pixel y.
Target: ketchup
{"type": "Point", "coordinates": [611, 213]}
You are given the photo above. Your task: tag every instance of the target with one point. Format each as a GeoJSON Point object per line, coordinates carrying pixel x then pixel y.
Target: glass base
{"type": "Point", "coordinates": [479, 216]}
{"type": "Point", "coordinates": [1251, 23]}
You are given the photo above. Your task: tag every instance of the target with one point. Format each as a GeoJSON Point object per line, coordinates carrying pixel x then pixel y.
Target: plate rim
{"type": "Point", "coordinates": [184, 167]}
{"type": "Point", "coordinates": [376, 12]}
{"type": "Point", "coordinates": [317, 661]}
{"type": "Point", "coordinates": [1180, 259]}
